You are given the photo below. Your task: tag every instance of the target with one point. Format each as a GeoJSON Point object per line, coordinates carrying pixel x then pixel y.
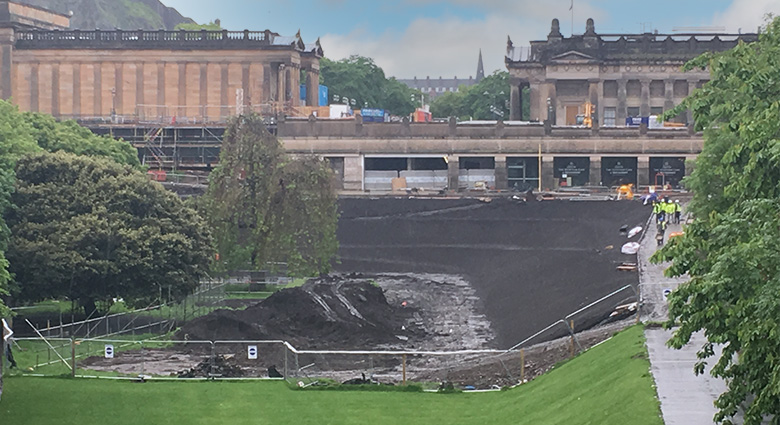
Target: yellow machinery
{"type": "Point", "coordinates": [626, 191]}
{"type": "Point", "coordinates": [587, 121]}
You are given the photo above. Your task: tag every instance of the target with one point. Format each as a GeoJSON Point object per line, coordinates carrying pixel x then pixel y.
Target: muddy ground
{"type": "Point", "coordinates": [437, 275]}
{"type": "Point", "coordinates": [530, 264]}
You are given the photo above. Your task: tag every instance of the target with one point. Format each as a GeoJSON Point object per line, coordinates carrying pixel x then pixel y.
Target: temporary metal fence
{"type": "Point", "coordinates": [155, 320]}
{"type": "Point", "coordinates": [128, 358]}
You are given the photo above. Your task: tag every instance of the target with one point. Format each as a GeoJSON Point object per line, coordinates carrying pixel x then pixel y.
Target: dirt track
{"type": "Point", "coordinates": [530, 263]}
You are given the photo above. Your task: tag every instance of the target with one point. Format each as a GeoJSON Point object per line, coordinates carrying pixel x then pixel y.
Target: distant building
{"type": "Point", "coordinates": [438, 86]}
{"type": "Point", "coordinates": [161, 76]}
{"type": "Point", "coordinates": [623, 76]}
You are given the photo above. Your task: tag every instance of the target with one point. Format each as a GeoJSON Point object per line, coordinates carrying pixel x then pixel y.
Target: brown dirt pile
{"type": "Point", "coordinates": [324, 313]}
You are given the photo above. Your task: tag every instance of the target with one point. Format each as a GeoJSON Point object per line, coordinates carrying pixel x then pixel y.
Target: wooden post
{"type": "Point", "coordinates": [522, 365]}
{"type": "Point", "coordinates": [571, 323]}
{"type": "Point", "coordinates": [72, 357]}
{"type": "Point", "coordinates": [404, 368]}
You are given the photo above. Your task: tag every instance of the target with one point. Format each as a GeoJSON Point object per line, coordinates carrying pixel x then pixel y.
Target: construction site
{"type": "Point", "coordinates": [481, 292]}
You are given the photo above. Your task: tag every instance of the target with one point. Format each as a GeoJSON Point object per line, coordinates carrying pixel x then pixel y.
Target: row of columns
{"type": "Point", "coordinates": [543, 102]}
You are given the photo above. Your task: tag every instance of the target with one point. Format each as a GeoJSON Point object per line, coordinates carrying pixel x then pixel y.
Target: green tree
{"type": "Point", "coordinates": [68, 136]}
{"type": "Point", "coordinates": [15, 140]}
{"type": "Point", "coordinates": [92, 230]}
{"type": "Point", "coordinates": [451, 104]}
{"type": "Point", "coordinates": [487, 100]}
{"type": "Point", "coordinates": [359, 78]}
{"type": "Point", "coordinates": [214, 25]}
{"type": "Point", "coordinates": [731, 251]}
{"type": "Point", "coordinates": [267, 207]}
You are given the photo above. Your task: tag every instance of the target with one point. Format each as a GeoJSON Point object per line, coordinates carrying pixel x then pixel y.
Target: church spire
{"type": "Point", "coordinates": [480, 68]}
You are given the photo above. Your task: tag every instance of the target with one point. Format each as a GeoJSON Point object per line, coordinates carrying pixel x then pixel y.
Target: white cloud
{"type": "Point", "coordinates": [449, 46]}
{"type": "Point", "coordinates": [746, 14]}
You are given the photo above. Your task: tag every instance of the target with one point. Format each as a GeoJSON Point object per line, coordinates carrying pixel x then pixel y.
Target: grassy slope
{"type": "Point", "coordinates": [610, 384]}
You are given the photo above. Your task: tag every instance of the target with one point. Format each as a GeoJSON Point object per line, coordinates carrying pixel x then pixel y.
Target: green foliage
{"type": "Point", "coordinates": [15, 140]}
{"type": "Point", "coordinates": [359, 78]}
{"type": "Point", "coordinates": [136, 11]}
{"type": "Point", "coordinates": [732, 251]}
{"type": "Point", "coordinates": [479, 101]}
{"type": "Point", "coordinates": [267, 207]}
{"type": "Point", "coordinates": [211, 26]}
{"type": "Point", "coordinates": [92, 230]}
{"type": "Point", "coordinates": [68, 136]}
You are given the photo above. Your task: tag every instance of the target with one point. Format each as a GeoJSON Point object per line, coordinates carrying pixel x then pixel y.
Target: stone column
{"type": "Point", "coordinates": [6, 62]}
{"type": "Point", "coordinates": [537, 102]}
{"type": "Point", "coordinates": [312, 87]}
{"type": "Point", "coordinates": [55, 90]}
{"type": "Point", "coordinates": [668, 94]}
{"type": "Point", "coordinates": [354, 176]}
{"type": "Point", "coordinates": [515, 103]}
{"type": "Point", "coordinates": [502, 176]}
{"type": "Point", "coordinates": [280, 88]}
{"type": "Point", "coordinates": [548, 173]}
{"type": "Point", "coordinates": [621, 113]}
{"type": "Point", "coordinates": [77, 89]}
{"type": "Point", "coordinates": [118, 97]}
{"type": "Point", "coordinates": [34, 88]}
{"type": "Point", "coordinates": [453, 173]}
{"type": "Point", "coordinates": [594, 176]}
{"type": "Point", "coordinates": [691, 88]}
{"type": "Point", "coordinates": [643, 170]}
{"type": "Point", "coordinates": [161, 109]}
{"type": "Point", "coordinates": [644, 105]}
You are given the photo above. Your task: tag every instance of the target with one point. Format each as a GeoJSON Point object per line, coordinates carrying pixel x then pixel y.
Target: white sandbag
{"type": "Point", "coordinates": [630, 248]}
{"type": "Point", "coordinates": [635, 231]}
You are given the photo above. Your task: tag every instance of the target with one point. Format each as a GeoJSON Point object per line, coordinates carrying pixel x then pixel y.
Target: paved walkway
{"type": "Point", "coordinates": [686, 399]}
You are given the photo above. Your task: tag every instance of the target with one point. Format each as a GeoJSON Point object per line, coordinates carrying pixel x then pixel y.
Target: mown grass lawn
{"type": "Point", "coordinates": [610, 384]}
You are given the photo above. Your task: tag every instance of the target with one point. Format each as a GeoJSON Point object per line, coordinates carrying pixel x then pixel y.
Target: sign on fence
{"type": "Point", "coordinates": [251, 352]}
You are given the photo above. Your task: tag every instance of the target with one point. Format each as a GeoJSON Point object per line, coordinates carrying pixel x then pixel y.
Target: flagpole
{"type": "Point", "coordinates": [572, 17]}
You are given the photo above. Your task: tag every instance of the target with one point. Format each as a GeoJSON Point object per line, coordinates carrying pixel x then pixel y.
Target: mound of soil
{"type": "Point", "coordinates": [324, 313]}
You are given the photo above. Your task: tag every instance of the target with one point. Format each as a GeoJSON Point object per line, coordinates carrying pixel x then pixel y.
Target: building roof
{"type": "Point", "coordinates": [592, 47]}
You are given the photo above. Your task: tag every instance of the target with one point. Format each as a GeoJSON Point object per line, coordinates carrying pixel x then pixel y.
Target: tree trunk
{"type": "Point", "coordinates": [89, 307]}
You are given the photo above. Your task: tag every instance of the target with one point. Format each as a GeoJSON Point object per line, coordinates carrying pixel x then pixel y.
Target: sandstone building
{"type": "Point", "coordinates": [622, 75]}
{"type": "Point", "coordinates": [139, 75]}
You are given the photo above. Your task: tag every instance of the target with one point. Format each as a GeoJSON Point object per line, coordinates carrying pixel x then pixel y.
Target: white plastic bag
{"type": "Point", "coordinates": [635, 231]}
{"type": "Point", "coordinates": [630, 248]}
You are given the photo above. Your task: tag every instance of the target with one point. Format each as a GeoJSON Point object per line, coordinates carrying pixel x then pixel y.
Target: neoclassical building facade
{"type": "Point", "coordinates": [184, 76]}
{"type": "Point", "coordinates": [621, 75]}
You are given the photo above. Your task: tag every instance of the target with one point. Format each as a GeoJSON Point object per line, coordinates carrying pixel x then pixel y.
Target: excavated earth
{"type": "Point", "coordinates": [529, 263]}
{"type": "Point", "coordinates": [444, 275]}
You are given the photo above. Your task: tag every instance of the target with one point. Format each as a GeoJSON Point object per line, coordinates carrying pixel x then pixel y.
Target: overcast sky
{"type": "Point", "coordinates": [442, 38]}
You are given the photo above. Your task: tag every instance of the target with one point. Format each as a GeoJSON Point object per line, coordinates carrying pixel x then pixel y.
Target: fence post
{"type": "Point", "coordinates": [72, 357]}
{"type": "Point", "coordinates": [522, 365]}
{"type": "Point", "coordinates": [143, 358]}
{"type": "Point", "coordinates": [212, 359]}
{"type": "Point", "coordinates": [286, 370]}
{"type": "Point", "coordinates": [572, 337]}
{"type": "Point", "coordinates": [404, 368]}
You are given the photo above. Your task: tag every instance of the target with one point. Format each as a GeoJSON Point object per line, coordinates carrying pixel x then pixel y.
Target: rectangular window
{"type": "Point", "coordinates": [633, 111]}
{"type": "Point", "coordinates": [656, 110]}
{"type": "Point", "coordinates": [609, 117]}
